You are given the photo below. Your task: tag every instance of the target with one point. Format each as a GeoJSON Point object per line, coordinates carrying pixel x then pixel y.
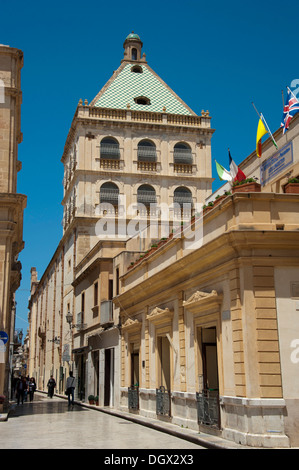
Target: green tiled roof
{"type": "Point", "coordinates": [126, 85]}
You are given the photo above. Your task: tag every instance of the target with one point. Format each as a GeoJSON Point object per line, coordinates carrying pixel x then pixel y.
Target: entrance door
{"type": "Point", "coordinates": [81, 376]}
{"type": "Point", "coordinates": [95, 358]}
{"type": "Point", "coordinates": [209, 357]}
{"type": "Point", "coordinates": [109, 377]}
{"type": "Point", "coordinates": [135, 369]}
{"type": "Point", "coordinates": [208, 397]}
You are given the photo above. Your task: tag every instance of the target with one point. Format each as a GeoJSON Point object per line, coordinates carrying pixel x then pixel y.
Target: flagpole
{"type": "Point", "coordinates": [263, 119]}
{"type": "Point", "coordinates": [282, 99]}
{"type": "Point", "coordinates": [274, 141]}
{"type": "Point", "coordinates": [255, 109]}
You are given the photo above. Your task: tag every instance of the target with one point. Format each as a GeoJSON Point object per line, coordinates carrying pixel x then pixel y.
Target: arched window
{"type": "Point", "coordinates": [182, 196]}
{"type": "Point", "coordinates": [182, 153]}
{"type": "Point", "coordinates": [146, 195]}
{"type": "Point", "coordinates": [109, 149]}
{"type": "Point", "coordinates": [134, 53]}
{"type": "Point", "coordinates": [109, 193]}
{"type": "Point", "coordinates": [146, 151]}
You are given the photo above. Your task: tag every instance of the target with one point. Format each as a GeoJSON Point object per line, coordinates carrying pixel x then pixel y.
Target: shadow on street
{"type": "Point", "coordinates": [42, 404]}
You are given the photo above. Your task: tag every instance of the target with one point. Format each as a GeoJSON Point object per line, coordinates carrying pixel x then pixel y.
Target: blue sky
{"type": "Point", "coordinates": [217, 56]}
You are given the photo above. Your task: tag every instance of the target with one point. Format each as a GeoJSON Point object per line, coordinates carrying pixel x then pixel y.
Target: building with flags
{"type": "Point", "coordinates": [198, 325]}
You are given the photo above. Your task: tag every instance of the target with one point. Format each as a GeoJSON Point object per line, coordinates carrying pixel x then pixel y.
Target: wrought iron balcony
{"type": "Point", "coordinates": [208, 409]}
{"type": "Point", "coordinates": [133, 398]}
{"type": "Point", "coordinates": [163, 402]}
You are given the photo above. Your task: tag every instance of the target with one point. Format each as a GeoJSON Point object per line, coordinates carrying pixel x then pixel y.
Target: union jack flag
{"type": "Point", "coordinates": [291, 107]}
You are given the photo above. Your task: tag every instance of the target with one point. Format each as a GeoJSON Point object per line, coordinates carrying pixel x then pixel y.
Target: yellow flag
{"type": "Point", "coordinates": [261, 130]}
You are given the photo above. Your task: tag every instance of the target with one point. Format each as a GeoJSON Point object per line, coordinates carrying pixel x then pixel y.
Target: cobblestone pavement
{"type": "Point", "coordinates": [48, 423]}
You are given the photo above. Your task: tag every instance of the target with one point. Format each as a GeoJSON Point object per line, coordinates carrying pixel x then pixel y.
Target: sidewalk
{"type": "Point", "coordinates": [206, 440]}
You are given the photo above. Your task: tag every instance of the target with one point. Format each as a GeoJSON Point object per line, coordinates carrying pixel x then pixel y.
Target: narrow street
{"type": "Point", "coordinates": [48, 423]}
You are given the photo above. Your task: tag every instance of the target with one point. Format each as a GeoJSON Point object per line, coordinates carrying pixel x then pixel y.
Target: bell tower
{"type": "Point", "coordinates": [133, 46]}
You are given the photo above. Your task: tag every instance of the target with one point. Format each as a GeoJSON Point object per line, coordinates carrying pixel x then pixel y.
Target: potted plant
{"type": "Point", "coordinates": [219, 198]}
{"type": "Point", "coordinates": [249, 185]}
{"type": "Point", "coordinates": [292, 186]}
{"type": "Point", "coordinates": [208, 207]}
{"type": "Point", "coordinates": [96, 399]}
{"type": "Point", "coordinates": [162, 242]}
{"type": "Point", "coordinates": [91, 399]}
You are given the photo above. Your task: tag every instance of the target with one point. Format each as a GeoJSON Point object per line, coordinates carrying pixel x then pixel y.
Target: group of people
{"type": "Point", "coordinates": [25, 386]}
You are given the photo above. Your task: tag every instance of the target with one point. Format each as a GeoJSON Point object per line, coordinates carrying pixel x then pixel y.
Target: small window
{"type": "Point", "coordinates": [96, 294]}
{"type": "Point", "coordinates": [136, 69]}
{"type": "Point", "coordinates": [134, 53]}
{"type": "Point", "coordinates": [142, 100]}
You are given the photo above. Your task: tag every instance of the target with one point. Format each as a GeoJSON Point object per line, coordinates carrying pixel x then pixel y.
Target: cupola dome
{"type": "Point", "coordinates": [133, 46]}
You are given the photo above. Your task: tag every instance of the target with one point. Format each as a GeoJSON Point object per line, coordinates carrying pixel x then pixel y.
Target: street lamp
{"type": "Point", "coordinates": [69, 318]}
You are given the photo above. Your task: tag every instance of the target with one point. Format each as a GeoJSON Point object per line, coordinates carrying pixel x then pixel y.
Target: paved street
{"type": "Point", "coordinates": [49, 424]}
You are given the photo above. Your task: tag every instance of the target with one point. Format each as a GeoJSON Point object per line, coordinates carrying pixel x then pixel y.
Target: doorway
{"type": "Point", "coordinates": [209, 359]}
{"type": "Point", "coordinates": [164, 362]}
{"type": "Point", "coordinates": [208, 409]}
{"type": "Point", "coordinates": [109, 377]}
{"type": "Point", "coordinates": [135, 369]}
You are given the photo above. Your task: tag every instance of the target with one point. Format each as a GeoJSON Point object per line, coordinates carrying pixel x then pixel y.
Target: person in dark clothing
{"type": "Point", "coordinates": [51, 385]}
{"type": "Point", "coordinates": [21, 386]}
{"type": "Point", "coordinates": [31, 388]}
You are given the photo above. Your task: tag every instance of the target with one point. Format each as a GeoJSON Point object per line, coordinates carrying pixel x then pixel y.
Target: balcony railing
{"type": "Point", "coordinates": [163, 402]}
{"type": "Point", "coordinates": [133, 398]}
{"type": "Point", "coordinates": [147, 166]}
{"type": "Point", "coordinates": [106, 312]}
{"type": "Point", "coordinates": [208, 408]}
{"type": "Point", "coordinates": [109, 164]}
{"type": "Point", "coordinates": [183, 168]}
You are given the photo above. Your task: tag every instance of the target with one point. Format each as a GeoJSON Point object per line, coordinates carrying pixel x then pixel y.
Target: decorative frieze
{"type": "Point", "coordinates": [159, 315]}
{"type": "Point", "coordinates": [202, 301]}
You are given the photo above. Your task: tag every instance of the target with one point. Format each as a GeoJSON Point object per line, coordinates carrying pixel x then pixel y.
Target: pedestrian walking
{"type": "Point", "coordinates": [31, 388]}
{"type": "Point", "coordinates": [20, 389]}
{"type": "Point", "coordinates": [70, 386]}
{"type": "Point", "coordinates": [26, 388]}
{"type": "Point", "coordinates": [51, 385]}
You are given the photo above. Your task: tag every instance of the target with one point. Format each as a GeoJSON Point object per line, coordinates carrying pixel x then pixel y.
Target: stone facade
{"type": "Point", "coordinates": [12, 204]}
{"type": "Point", "coordinates": [117, 160]}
